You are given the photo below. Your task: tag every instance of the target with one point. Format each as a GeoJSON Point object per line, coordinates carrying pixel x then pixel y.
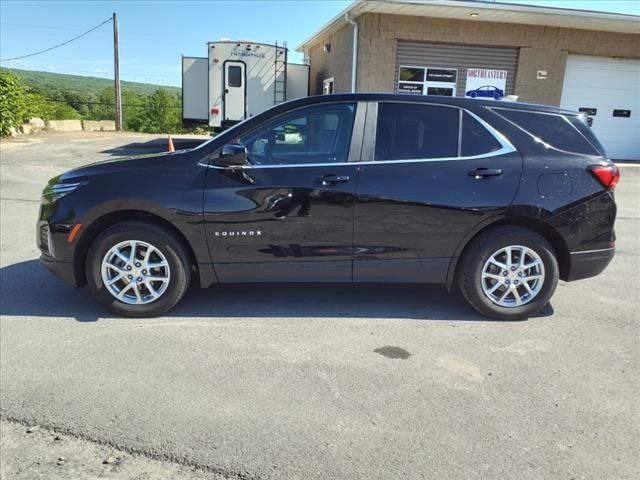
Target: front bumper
{"type": "Point", "coordinates": [55, 255]}
{"type": "Point", "coordinates": [63, 270]}
{"type": "Point", "coordinates": [589, 263]}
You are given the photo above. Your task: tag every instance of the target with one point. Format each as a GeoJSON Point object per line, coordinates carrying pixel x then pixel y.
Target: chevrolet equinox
{"type": "Point", "coordinates": [496, 199]}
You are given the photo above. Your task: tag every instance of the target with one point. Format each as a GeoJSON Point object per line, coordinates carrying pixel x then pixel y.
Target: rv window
{"type": "Point", "coordinates": [235, 76]}
{"type": "Point", "coordinates": [318, 134]}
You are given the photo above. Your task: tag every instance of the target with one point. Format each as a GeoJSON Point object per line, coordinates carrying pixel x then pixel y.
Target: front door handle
{"type": "Point", "coordinates": [485, 172]}
{"type": "Point", "coordinates": [330, 180]}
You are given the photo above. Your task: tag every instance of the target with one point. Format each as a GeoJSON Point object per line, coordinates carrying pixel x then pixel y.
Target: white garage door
{"type": "Point", "coordinates": [611, 88]}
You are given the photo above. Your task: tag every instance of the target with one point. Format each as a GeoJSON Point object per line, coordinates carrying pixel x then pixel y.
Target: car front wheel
{"type": "Point", "coordinates": [138, 269]}
{"type": "Point", "coordinates": [508, 273]}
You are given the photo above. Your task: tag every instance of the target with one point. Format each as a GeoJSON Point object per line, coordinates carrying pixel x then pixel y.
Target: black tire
{"type": "Point", "coordinates": [476, 254]}
{"type": "Point", "coordinates": [171, 247]}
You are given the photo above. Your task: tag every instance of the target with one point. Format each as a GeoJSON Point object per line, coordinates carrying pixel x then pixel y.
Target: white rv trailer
{"type": "Point", "coordinates": [238, 80]}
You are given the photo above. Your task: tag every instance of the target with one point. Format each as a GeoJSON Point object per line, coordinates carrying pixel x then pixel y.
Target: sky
{"type": "Point", "coordinates": [154, 34]}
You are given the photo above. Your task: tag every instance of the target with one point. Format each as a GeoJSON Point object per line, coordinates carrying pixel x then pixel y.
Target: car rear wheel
{"type": "Point", "coordinates": [138, 269]}
{"type": "Point", "coordinates": [508, 273]}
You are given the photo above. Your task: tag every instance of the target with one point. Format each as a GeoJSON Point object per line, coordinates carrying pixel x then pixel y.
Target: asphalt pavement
{"type": "Point", "coordinates": [321, 382]}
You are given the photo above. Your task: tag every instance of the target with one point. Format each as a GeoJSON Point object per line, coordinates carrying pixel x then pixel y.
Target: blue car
{"type": "Point", "coordinates": [487, 91]}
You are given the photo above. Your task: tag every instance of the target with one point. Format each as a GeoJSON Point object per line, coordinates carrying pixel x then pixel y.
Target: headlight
{"type": "Point", "coordinates": [55, 191]}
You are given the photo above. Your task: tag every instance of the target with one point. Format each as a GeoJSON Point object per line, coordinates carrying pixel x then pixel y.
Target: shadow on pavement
{"type": "Point", "coordinates": [27, 289]}
{"type": "Point", "coordinates": [157, 145]}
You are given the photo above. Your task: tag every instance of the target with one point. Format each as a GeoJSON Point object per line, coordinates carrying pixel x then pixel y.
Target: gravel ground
{"type": "Point", "coordinates": [314, 382]}
{"type": "Point", "coordinates": [31, 452]}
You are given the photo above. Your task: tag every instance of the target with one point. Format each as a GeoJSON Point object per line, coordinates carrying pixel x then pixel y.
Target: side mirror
{"type": "Point", "coordinates": [233, 155]}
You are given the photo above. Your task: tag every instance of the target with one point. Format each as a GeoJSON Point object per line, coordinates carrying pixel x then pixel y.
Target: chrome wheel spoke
{"type": "Point", "coordinates": [154, 293]}
{"type": "Point", "coordinates": [156, 265]}
{"type": "Point", "coordinates": [493, 276]}
{"type": "Point", "coordinates": [132, 279]}
{"type": "Point", "coordinates": [115, 279]}
{"type": "Point", "coordinates": [532, 264]}
{"type": "Point", "coordinates": [513, 276]}
{"type": "Point", "coordinates": [114, 267]}
{"type": "Point", "coordinates": [505, 295]}
{"type": "Point", "coordinates": [120, 255]}
{"type": "Point", "coordinates": [516, 296]}
{"type": "Point", "coordinates": [136, 290]}
{"type": "Point", "coordinates": [120, 294]}
{"type": "Point", "coordinates": [151, 278]}
{"type": "Point", "coordinates": [532, 277]}
{"type": "Point", "coordinates": [495, 287]}
{"type": "Point", "coordinates": [497, 263]}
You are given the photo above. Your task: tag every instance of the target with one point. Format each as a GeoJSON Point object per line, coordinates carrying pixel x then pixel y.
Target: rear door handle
{"type": "Point", "coordinates": [485, 172]}
{"type": "Point", "coordinates": [329, 180]}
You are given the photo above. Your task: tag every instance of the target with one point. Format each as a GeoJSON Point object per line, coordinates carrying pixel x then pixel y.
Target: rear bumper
{"type": "Point", "coordinates": [589, 263]}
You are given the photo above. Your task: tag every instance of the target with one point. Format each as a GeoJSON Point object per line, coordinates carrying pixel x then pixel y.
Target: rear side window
{"type": "Point", "coordinates": [581, 123]}
{"type": "Point", "coordinates": [405, 131]}
{"type": "Point", "coordinates": [553, 129]}
{"type": "Point", "coordinates": [476, 140]}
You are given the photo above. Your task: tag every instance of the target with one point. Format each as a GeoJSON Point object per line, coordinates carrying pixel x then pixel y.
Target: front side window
{"type": "Point", "coordinates": [405, 131]}
{"type": "Point", "coordinates": [552, 129]}
{"type": "Point", "coordinates": [317, 134]}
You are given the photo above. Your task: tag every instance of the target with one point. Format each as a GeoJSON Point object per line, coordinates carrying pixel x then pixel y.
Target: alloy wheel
{"type": "Point", "coordinates": [135, 272]}
{"type": "Point", "coordinates": [513, 276]}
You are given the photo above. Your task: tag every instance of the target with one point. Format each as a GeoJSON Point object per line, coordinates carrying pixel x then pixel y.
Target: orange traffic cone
{"type": "Point", "coordinates": [171, 147]}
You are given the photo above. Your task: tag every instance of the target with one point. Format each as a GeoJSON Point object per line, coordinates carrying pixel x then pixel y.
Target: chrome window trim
{"type": "Point", "coordinates": [502, 151]}
{"type": "Point", "coordinates": [505, 146]}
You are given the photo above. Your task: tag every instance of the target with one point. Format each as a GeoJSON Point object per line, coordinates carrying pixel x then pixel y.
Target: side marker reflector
{"type": "Point", "coordinates": [74, 231]}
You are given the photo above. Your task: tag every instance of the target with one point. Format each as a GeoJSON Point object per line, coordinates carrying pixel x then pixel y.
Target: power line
{"type": "Point", "coordinates": [59, 45]}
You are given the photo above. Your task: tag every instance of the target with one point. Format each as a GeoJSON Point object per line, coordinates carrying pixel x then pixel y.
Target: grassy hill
{"type": "Point", "coordinates": [75, 83]}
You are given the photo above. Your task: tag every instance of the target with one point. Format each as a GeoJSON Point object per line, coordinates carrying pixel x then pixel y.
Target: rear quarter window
{"type": "Point", "coordinates": [476, 140]}
{"type": "Point", "coordinates": [553, 129]}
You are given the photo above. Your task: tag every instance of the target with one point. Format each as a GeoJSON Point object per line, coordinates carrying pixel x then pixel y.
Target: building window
{"type": "Point", "coordinates": [327, 86]}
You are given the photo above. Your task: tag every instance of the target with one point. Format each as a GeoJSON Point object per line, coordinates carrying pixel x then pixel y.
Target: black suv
{"type": "Point", "coordinates": [495, 198]}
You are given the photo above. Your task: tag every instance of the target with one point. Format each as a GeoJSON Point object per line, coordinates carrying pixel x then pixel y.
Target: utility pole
{"type": "Point", "coordinates": [116, 73]}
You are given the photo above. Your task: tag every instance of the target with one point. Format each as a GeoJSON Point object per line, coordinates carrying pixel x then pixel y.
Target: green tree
{"type": "Point", "coordinates": [161, 113]}
{"type": "Point", "coordinates": [18, 103]}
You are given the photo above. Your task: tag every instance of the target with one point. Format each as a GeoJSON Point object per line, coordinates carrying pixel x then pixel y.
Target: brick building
{"type": "Point", "coordinates": [572, 58]}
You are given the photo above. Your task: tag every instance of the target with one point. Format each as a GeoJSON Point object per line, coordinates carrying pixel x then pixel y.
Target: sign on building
{"type": "Point", "coordinates": [485, 83]}
{"type": "Point", "coordinates": [427, 81]}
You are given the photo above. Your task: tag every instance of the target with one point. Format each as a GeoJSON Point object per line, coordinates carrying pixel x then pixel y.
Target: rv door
{"type": "Point", "coordinates": [235, 88]}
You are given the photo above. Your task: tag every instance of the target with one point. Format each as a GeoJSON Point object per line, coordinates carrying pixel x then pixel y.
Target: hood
{"type": "Point", "coordinates": [123, 164]}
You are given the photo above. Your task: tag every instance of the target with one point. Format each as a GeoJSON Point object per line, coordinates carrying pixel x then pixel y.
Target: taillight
{"type": "Point", "coordinates": [607, 175]}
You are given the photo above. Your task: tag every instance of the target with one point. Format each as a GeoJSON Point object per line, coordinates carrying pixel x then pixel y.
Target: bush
{"type": "Point", "coordinates": [18, 103]}
{"type": "Point", "coordinates": [62, 111]}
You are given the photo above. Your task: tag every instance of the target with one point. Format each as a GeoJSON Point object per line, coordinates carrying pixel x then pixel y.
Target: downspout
{"type": "Point", "coordinates": [354, 59]}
